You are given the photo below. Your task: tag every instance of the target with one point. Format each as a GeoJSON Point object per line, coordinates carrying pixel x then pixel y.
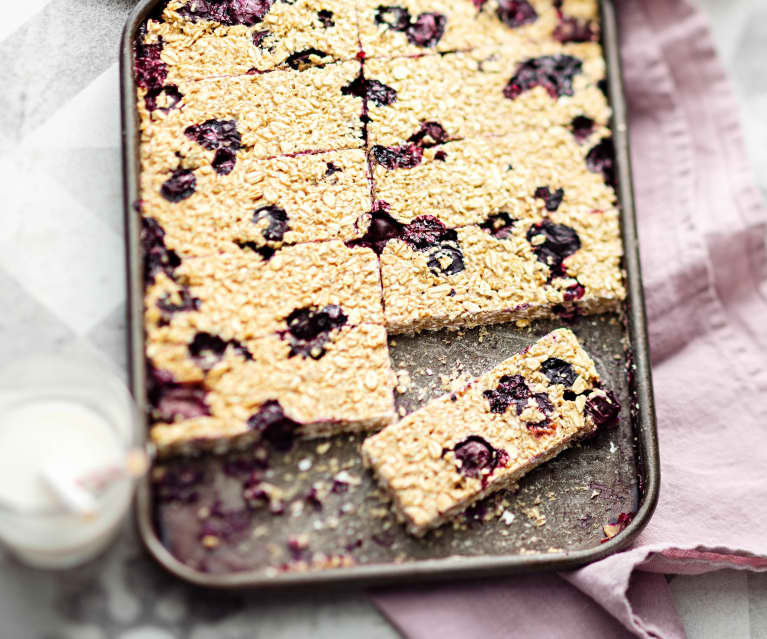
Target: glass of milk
{"type": "Point", "coordinates": [67, 426]}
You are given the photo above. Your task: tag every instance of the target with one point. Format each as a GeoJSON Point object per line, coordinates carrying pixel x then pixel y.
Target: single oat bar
{"type": "Point", "coordinates": [418, 27]}
{"type": "Point", "coordinates": [242, 295]}
{"type": "Point", "coordinates": [318, 378]}
{"type": "Point", "coordinates": [501, 271]}
{"type": "Point", "coordinates": [465, 445]}
{"type": "Point", "coordinates": [196, 43]}
{"type": "Point", "coordinates": [259, 203]}
{"type": "Point", "coordinates": [486, 91]}
{"type": "Point", "coordinates": [525, 173]}
{"type": "Point", "coordinates": [280, 112]}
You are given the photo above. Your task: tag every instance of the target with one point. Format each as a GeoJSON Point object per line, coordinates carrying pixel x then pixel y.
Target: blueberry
{"type": "Point", "coordinates": [227, 12]}
{"type": "Point", "coordinates": [309, 329]}
{"type": "Point", "coordinates": [426, 231]}
{"type": "Point", "coordinates": [446, 260]}
{"type": "Point", "coordinates": [301, 60]}
{"type": "Point", "coordinates": [426, 30]}
{"type": "Point", "coordinates": [423, 233]}
{"type": "Point", "coordinates": [429, 134]}
{"type": "Point", "coordinates": [171, 400]}
{"type": "Point", "coordinates": [559, 243]}
{"type": "Point", "coordinates": [150, 70]}
{"type": "Point", "coordinates": [275, 427]}
{"type": "Point", "coordinates": [515, 13]}
{"type": "Point", "coordinates": [179, 186]}
{"type": "Point", "coordinates": [264, 250]}
{"type": "Point", "coordinates": [601, 159]}
{"type": "Point", "coordinates": [551, 200]}
{"type": "Point", "coordinates": [440, 155]}
{"type": "Point", "coordinates": [331, 169]}
{"type": "Point", "coordinates": [326, 18]}
{"type": "Point", "coordinates": [476, 455]}
{"type": "Point", "coordinates": [223, 161]}
{"type": "Point", "coordinates": [554, 73]}
{"type": "Point", "coordinates": [277, 222]}
{"type": "Point", "coordinates": [511, 389]}
{"type": "Point", "coordinates": [172, 97]}
{"type": "Point", "coordinates": [604, 409]}
{"type": "Point", "coordinates": [405, 156]}
{"type": "Point", "coordinates": [499, 225]}
{"type": "Point", "coordinates": [168, 308]}
{"type": "Point", "coordinates": [207, 349]}
{"type": "Point", "coordinates": [382, 228]}
{"type": "Point", "coordinates": [258, 37]}
{"type": "Point", "coordinates": [393, 17]}
{"type": "Point", "coordinates": [543, 427]}
{"type": "Point", "coordinates": [157, 257]}
{"type": "Point", "coordinates": [571, 29]}
{"type": "Point", "coordinates": [559, 371]}
{"type": "Point", "coordinates": [582, 127]}
{"type": "Point", "coordinates": [574, 292]}
{"type": "Point", "coordinates": [370, 90]}
{"type": "Point", "coordinates": [215, 134]}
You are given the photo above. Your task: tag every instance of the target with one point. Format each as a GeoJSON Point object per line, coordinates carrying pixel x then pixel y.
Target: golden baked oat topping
{"type": "Point", "coordinates": [316, 173]}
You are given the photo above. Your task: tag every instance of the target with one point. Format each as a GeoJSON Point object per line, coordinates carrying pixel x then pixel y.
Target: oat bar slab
{"type": "Point", "coordinates": [463, 446]}
{"type": "Point", "coordinates": [526, 172]}
{"type": "Point", "coordinates": [486, 91]}
{"type": "Point", "coordinates": [279, 112]}
{"type": "Point", "coordinates": [318, 378]}
{"type": "Point", "coordinates": [504, 270]}
{"type": "Point", "coordinates": [195, 39]}
{"type": "Point", "coordinates": [244, 295]}
{"type": "Point", "coordinates": [258, 203]}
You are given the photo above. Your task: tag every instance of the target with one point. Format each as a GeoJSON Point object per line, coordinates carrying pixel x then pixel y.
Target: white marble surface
{"type": "Point", "coordinates": [61, 287]}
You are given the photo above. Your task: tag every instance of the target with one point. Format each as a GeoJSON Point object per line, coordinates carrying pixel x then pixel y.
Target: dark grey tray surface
{"type": "Point", "coordinates": [323, 520]}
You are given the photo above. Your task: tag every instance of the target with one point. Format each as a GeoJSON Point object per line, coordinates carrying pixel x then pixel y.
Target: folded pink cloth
{"type": "Point", "coordinates": [702, 231]}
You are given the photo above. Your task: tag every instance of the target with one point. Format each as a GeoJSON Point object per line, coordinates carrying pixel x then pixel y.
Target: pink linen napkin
{"type": "Point", "coordinates": [702, 227]}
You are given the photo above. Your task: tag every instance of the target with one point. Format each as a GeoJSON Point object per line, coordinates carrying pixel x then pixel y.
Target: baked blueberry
{"type": "Point", "coordinates": [476, 455]}
{"type": "Point", "coordinates": [426, 30]}
{"type": "Point", "coordinates": [277, 222]}
{"type": "Point", "coordinates": [309, 329]}
{"type": "Point", "coordinates": [554, 73]}
{"type": "Point", "coordinates": [171, 96]}
{"type": "Point", "coordinates": [207, 349]}
{"type": "Point", "coordinates": [601, 159]}
{"type": "Point", "coordinates": [559, 243]}
{"type": "Point", "coordinates": [429, 134]}
{"type": "Point", "coordinates": [326, 18]}
{"type": "Point", "coordinates": [275, 427]}
{"type": "Point", "coordinates": [552, 200]}
{"type": "Point", "coordinates": [404, 156]}
{"type": "Point", "coordinates": [157, 257]}
{"type": "Point", "coordinates": [370, 90]}
{"type": "Point", "coordinates": [515, 13]}
{"type": "Point", "coordinates": [227, 12]}
{"type": "Point", "coordinates": [511, 389]}
{"type": "Point", "coordinates": [215, 134]}
{"type": "Point", "coordinates": [171, 400]}
{"type": "Point", "coordinates": [582, 127]}
{"type": "Point", "coordinates": [301, 60]}
{"type": "Point", "coordinates": [500, 225]}
{"type": "Point", "coordinates": [179, 186]}
{"type": "Point", "coordinates": [604, 409]}
{"type": "Point", "coordinates": [446, 260]}
{"type": "Point", "coordinates": [558, 371]}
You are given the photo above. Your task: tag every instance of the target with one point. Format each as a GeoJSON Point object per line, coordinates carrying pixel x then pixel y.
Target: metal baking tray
{"type": "Point", "coordinates": [553, 522]}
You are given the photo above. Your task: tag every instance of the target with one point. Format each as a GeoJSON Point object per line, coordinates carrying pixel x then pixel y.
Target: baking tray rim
{"type": "Point", "coordinates": [645, 430]}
